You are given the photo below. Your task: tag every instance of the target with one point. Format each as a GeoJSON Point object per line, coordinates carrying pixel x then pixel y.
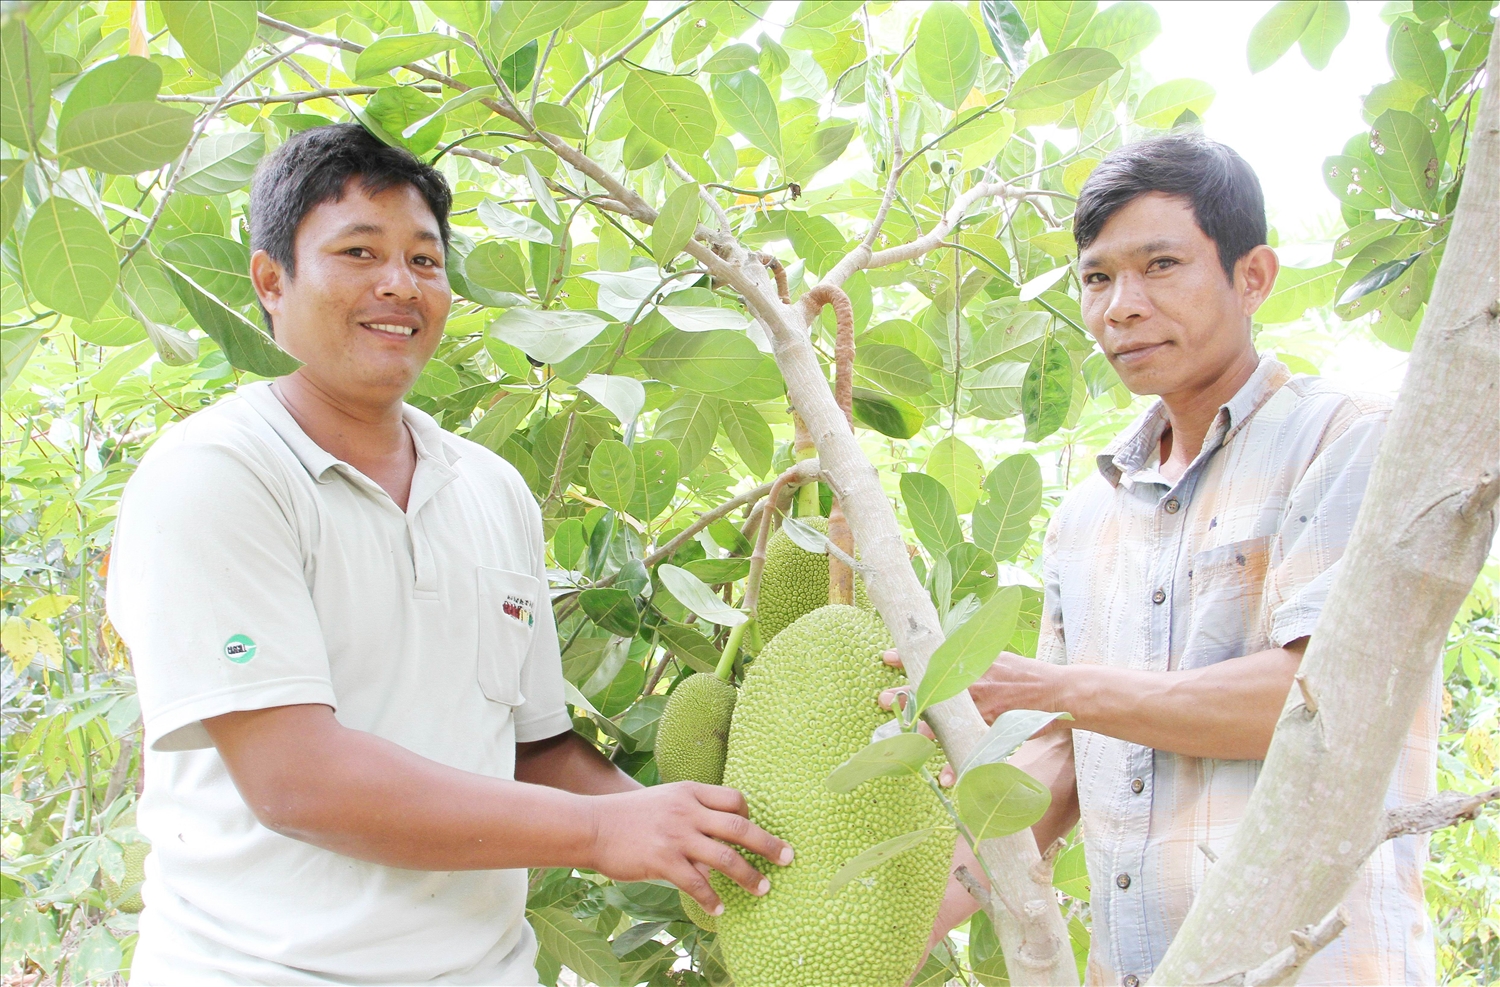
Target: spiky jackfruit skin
{"type": "Point", "coordinates": [696, 914]}
{"type": "Point", "coordinates": [126, 895]}
{"type": "Point", "coordinates": [795, 582]}
{"type": "Point", "coordinates": [694, 730]}
{"type": "Point", "coordinates": [808, 703]}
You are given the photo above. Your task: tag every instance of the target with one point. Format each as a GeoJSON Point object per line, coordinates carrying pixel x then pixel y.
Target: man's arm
{"type": "Point", "coordinates": [308, 777]}
{"type": "Point", "coordinates": [1227, 710]}
{"type": "Point", "coordinates": [570, 763]}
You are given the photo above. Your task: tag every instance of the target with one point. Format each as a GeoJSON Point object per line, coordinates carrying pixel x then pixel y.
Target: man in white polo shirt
{"type": "Point", "coordinates": [344, 645]}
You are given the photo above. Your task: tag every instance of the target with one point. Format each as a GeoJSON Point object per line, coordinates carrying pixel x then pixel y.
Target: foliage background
{"type": "Point", "coordinates": [110, 336]}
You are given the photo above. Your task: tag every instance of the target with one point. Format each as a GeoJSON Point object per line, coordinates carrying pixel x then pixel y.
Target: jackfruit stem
{"type": "Point", "coordinates": [840, 576]}
{"type": "Point", "coordinates": [725, 671]}
{"type": "Point", "coordinates": [803, 448]}
{"type": "Point", "coordinates": [767, 517]}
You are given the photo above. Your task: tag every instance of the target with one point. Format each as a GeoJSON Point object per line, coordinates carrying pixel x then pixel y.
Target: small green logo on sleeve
{"type": "Point", "coordinates": [239, 649]}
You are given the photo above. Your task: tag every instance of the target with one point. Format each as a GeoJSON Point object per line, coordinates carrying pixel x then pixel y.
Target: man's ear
{"type": "Point", "coordinates": [1255, 276]}
{"type": "Point", "coordinates": [269, 279]}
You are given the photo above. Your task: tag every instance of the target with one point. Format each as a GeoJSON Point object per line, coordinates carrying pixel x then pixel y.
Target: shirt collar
{"type": "Point", "coordinates": [1133, 448]}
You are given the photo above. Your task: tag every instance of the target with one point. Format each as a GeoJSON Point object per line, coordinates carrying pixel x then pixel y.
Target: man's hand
{"type": "Point", "coordinates": [679, 833]}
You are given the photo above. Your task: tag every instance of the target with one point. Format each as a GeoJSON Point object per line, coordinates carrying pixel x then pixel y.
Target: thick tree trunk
{"type": "Point", "coordinates": [1418, 544]}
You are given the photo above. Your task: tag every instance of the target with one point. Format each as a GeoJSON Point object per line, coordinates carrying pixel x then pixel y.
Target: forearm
{"type": "Point", "coordinates": [1226, 710]}
{"type": "Point", "coordinates": [570, 763]}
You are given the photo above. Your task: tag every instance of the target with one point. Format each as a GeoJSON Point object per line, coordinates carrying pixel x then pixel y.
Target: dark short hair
{"type": "Point", "coordinates": [314, 166]}
{"type": "Point", "coordinates": [1221, 187]}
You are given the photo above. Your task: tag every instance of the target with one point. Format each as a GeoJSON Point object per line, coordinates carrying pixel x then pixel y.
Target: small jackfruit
{"type": "Point", "coordinates": [808, 703]}
{"type": "Point", "coordinates": [694, 730]}
{"type": "Point", "coordinates": [795, 582]}
{"type": "Point", "coordinates": [696, 914]}
{"type": "Point", "coordinates": [126, 895]}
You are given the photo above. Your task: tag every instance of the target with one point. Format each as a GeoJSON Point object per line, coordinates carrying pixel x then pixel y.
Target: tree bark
{"type": "Point", "coordinates": [1419, 541]}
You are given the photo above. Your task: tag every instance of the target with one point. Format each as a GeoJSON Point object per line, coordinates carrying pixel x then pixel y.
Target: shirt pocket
{"type": "Point", "coordinates": [1228, 602]}
{"type": "Point", "coordinates": [507, 620]}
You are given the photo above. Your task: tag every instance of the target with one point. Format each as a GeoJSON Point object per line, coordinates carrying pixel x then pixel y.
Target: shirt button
{"type": "Point", "coordinates": [1159, 596]}
{"type": "Point", "coordinates": [1132, 981]}
{"type": "Point", "coordinates": [1173, 505]}
{"type": "Point", "coordinates": [1137, 786]}
{"type": "Point", "coordinates": [1122, 881]}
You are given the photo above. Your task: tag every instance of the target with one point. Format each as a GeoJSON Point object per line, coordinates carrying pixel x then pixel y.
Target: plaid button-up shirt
{"type": "Point", "coordinates": [1235, 557]}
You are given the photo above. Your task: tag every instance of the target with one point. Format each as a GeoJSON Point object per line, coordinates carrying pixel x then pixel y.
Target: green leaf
{"type": "Point", "coordinates": [1060, 77]}
{"type": "Point", "coordinates": [16, 346]}
{"type": "Point", "coordinates": [878, 854]}
{"type": "Point", "coordinates": [12, 192]}
{"type": "Point", "coordinates": [690, 424]}
{"type": "Point", "coordinates": [973, 571]}
{"type": "Point", "coordinates": [623, 396]}
{"type": "Point", "coordinates": [509, 224]}
{"type": "Point", "coordinates": [730, 59]}
{"type": "Point", "coordinates": [886, 414]}
{"type": "Point", "coordinates": [386, 53]}
{"type": "Point", "coordinates": [953, 463]}
{"type": "Point", "coordinates": [569, 542]}
{"type": "Point", "coordinates": [1406, 159]}
{"type": "Point", "coordinates": [1417, 56]}
{"type": "Point", "coordinates": [929, 507]}
{"type": "Point", "coordinates": [963, 657]}
{"type": "Point", "coordinates": [1008, 32]}
{"type": "Point", "coordinates": [1002, 525]}
{"type": "Point", "coordinates": [557, 119]}
{"type": "Point", "coordinates": [750, 435]}
{"type": "Point", "coordinates": [1329, 24]}
{"type": "Point", "coordinates": [656, 475]}
{"type": "Point", "coordinates": [903, 754]}
{"type": "Point", "coordinates": [578, 946]}
{"type": "Point", "coordinates": [713, 361]}
{"type": "Point", "coordinates": [547, 336]}
{"type": "Point", "coordinates": [715, 572]}
{"type": "Point", "coordinates": [1355, 183]}
{"type": "Point", "coordinates": [507, 411]}
{"type": "Point", "coordinates": [947, 54]}
{"type": "Point", "coordinates": [1062, 22]}
{"type": "Point", "coordinates": [394, 109]}
{"type": "Point", "coordinates": [437, 380]}
{"type": "Point", "coordinates": [218, 264]}
{"type": "Point", "coordinates": [1010, 730]}
{"type": "Point", "coordinates": [822, 148]}
{"type": "Point", "coordinates": [127, 79]}
{"type": "Point", "coordinates": [25, 85]}
{"type": "Point", "coordinates": [221, 163]}
{"type": "Point", "coordinates": [519, 67]}
{"type": "Point", "coordinates": [468, 16]}
{"type": "Point", "coordinates": [676, 223]}
{"type": "Point", "coordinates": [670, 109]}
{"type": "Point", "coordinates": [746, 104]}
{"type": "Point", "coordinates": [612, 609]}
{"type": "Point", "coordinates": [1297, 290]}
{"type": "Point", "coordinates": [208, 275]}
{"type": "Point", "coordinates": [997, 390]}
{"type": "Point", "coordinates": [1123, 29]}
{"type": "Point", "coordinates": [69, 260]}
{"type": "Point", "coordinates": [497, 266]}
{"type": "Point", "coordinates": [693, 648]}
{"type": "Point", "coordinates": [641, 150]}
{"type": "Point", "coordinates": [1070, 872]}
{"type": "Point", "coordinates": [815, 239]}
{"type": "Point", "coordinates": [1165, 103]}
{"type": "Point", "coordinates": [514, 23]}
{"type": "Point", "coordinates": [997, 800]}
{"type": "Point", "coordinates": [1046, 390]}
{"type": "Point", "coordinates": [1276, 32]}
{"type": "Point", "coordinates": [895, 368]}
{"type": "Point", "coordinates": [612, 473]}
{"type": "Point", "coordinates": [125, 138]}
{"type": "Point", "coordinates": [694, 594]}
{"type": "Point", "coordinates": [214, 34]}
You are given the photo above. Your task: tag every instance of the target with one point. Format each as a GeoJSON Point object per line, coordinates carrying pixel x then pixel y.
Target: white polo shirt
{"type": "Point", "coordinates": [252, 569]}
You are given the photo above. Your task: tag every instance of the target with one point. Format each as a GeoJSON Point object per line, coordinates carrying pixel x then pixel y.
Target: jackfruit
{"type": "Point", "coordinates": [694, 730]}
{"type": "Point", "coordinates": [807, 704]}
{"type": "Point", "coordinates": [696, 914]}
{"type": "Point", "coordinates": [795, 582]}
{"type": "Point", "coordinates": [126, 895]}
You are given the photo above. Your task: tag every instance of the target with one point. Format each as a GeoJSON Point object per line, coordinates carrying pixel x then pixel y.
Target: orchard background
{"type": "Point", "coordinates": [635, 394]}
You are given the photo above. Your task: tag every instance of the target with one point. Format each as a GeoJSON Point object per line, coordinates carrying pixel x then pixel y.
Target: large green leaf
{"type": "Point", "coordinates": [947, 53]}
{"type": "Point", "coordinates": [903, 754]}
{"type": "Point", "coordinates": [1008, 32]}
{"type": "Point", "coordinates": [1047, 389]}
{"type": "Point", "coordinates": [886, 414]}
{"type": "Point", "coordinates": [670, 109]}
{"type": "Point", "coordinates": [16, 346]}
{"type": "Point", "coordinates": [712, 361]}
{"type": "Point", "coordinates": [1355, 183]}
{"type": "Point", "coordinates": [1003, 523]}
{"type": "Point", "coordinates": [689, 424]}
{"type": "Point", "coordinates": [214, 34]}
{"type": "Point", "coordinates": [929, 508]}
{"type": "Point", "coordinates": [550, 336]}
{"type": "Point", "coordinates": [384, 54]}
{"type": "Point", "coordinates": [612, 609]}
{"type": "Point", "coordinates": [221, 163]}
{"type": "Point", "coordinates": [815, 239]}
{"type": "Point", "coordinates": [1062, 22]}
{"type": "Point", "coordinates": [1123, 29]}
{"type": "Point", "coordinates": [218, 264]}
{"type": "Point", "coordinates": [960, 660]}
{"type": "Point", "coordinates": [1297, 290]}
{"type": "Point", "coordinates": [1009, 731]}
{"type": "Point", "coordinates": [515, 22]}
{"type": "Point", "coordinates": [750, 435]}
{"type": "Point", "coordinates": [612, 473]}
{"type": "Point", "coordinates": [392, 111]}
{"type": "Point", "coordinates": [127, 79]}
{"type": "Point", "coordinates": [895, 368]}
{"type": "Point", "coordinates": [25, 85]}
{"type": "Point", "coordinates": [1060, 77]}
{"type": "Point", "coordinates": [125, 138]}
{"type": "Point", "coordinates": [579, 947]}
{"type": "Point", "coordinates": [1329, 24]}
{"type": "Point", "coordinates": [1166, 102]}
{"type": "Point", "coordinates": [955, 464]}
{"type": "Point", "coordinates": [1417, 56]}
{"type": "Point", "coordinates": [69, 260]}
{"type": "Point", "coordinates": [997, 800]}
{"type": "Point", "coordinates": [1405, 156]}
{"type": "Point", "coordinates": [1276, 32]}
{"type": "Point", "coordinates": [497, 266]}
{"type": "Point", "coordinates": [656, 476]}
{"type": "Point", "coordinates": [12, 191]}
{"type": "Point", "coordinates": [747, 105]}
{"type": "Point", "coordinates": [208, 274]}
{"type": "Point", "coordinates": [675, 223]}
{"type": "Point", "coordinates": [698, 596]}
{"type": "Point", "coordinates": [822, 147]}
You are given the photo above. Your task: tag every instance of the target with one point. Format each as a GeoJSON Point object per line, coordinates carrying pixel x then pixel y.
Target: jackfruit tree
{"type": "Point", "coordinates": [772, 306]}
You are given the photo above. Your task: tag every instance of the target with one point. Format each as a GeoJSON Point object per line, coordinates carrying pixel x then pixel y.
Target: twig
{"type": "Point", "coordinates": [1282, 968]}
{"type": "Point", "coordinates": [725, 226]}
{"type": "Point", "coordinates": [1439, 812]}
{"type": "Point", "coordinates": [617, 56]}
{"type": "Point", "coordinates": [972, 885]}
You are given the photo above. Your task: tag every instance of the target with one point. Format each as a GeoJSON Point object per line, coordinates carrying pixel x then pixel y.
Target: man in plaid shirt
{"type": "Point", "coordinates": [1184, 578]}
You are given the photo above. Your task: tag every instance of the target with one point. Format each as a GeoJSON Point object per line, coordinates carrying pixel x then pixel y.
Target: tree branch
{"type": "Point", "coordinates": [617, 56]}
{"type": "Point", "coordinates": [1439, 812]}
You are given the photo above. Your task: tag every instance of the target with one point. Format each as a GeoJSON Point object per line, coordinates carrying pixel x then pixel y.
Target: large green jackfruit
{"type": "Point", "coordinates": [795, 582]}
{"type": "Point", "coordinates": [808, 703]}
{"type": "Point", "coordinates": [694, 730]}
{"type": "Point", "coordinates": [126, 895]}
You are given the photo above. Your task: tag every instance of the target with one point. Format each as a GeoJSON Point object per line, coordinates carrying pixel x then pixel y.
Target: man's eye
{"type": "Point", "coordinates": [1162, 263]}
{"type": "Point", "coordinates": [425, 261]}
{"type": "Point", "coordinates": [1094, 278]}
{"type": "Point", "coordinates": [359, 252]}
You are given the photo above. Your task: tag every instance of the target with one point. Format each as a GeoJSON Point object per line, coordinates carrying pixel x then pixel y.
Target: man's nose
{"type": "Point", "coordinates": [398, 283]}
{"type": "Point", "coordinates": [1127, 300]}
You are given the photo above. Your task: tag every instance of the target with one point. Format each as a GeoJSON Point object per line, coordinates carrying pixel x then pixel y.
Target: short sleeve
{"type": "Point", "coordinates": [1315, 529]}
{"type": "Point", "coordinates": [207, 588]}
{"type": "Point", "coordinates": [1051, 646]}
{"type": "Point", "coordinates": [543, 714]}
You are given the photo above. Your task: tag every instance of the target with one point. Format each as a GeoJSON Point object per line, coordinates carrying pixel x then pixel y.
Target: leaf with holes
{"type": "Point", "coordinates": [1406, 158]}
{"type": "Point", "coordinates": [655, 478]}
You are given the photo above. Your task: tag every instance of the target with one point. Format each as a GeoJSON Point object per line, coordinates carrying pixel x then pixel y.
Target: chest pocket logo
{"type": "Point", "coordinates": [507, 621]}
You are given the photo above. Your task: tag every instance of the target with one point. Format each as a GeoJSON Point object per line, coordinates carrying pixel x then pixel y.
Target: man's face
{"type": "Point", "coordinates": [1158, 303]}
{"type": "Point", "coordinates": [366, 308]}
